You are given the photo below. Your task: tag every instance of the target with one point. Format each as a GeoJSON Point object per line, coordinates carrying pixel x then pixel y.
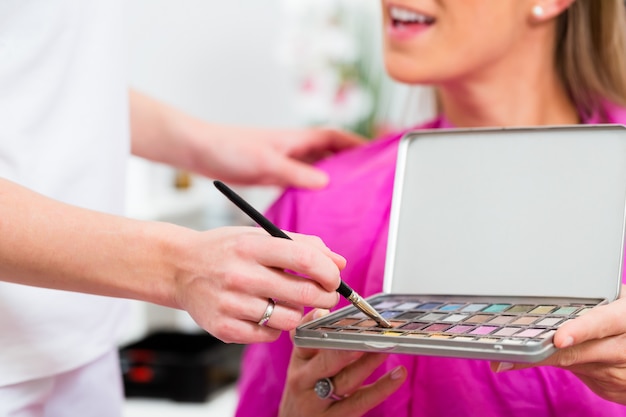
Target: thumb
{"type": "Point", "coordinates": [304, 353]}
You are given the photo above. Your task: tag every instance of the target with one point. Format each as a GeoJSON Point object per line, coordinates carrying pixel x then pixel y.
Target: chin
{"type": "Point", "coordinates": [410, 72]}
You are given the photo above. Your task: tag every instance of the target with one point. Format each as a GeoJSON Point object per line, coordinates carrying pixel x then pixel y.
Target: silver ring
{"type": "Point", "coordinates": [325, 389]}
{"type": "Point", "coordinates": [268, 312]}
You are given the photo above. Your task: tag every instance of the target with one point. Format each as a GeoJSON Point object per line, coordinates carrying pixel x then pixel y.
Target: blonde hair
{"type": "Point", "coordinates": [591, 53]}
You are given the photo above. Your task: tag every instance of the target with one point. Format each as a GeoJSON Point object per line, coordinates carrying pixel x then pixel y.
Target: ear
{"type": "Point", "coordinates": [542, 10]}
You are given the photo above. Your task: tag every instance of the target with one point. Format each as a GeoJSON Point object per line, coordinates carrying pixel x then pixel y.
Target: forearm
{"type": "Point", "coordinates": [162, 133]}
{"type": "Point", "coordinates": [49, 244]}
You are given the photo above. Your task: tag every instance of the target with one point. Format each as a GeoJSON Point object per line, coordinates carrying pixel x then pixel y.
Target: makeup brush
{"type": "Point", "coordinates": [347, 292]}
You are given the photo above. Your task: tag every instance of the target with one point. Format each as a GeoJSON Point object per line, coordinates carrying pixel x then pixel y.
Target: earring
{"type": "Point", "coordinates": [537, 11]}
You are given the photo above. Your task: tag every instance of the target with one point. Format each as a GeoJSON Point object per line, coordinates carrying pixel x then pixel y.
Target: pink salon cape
{"type": "Point", "coordinates": [351, 215]}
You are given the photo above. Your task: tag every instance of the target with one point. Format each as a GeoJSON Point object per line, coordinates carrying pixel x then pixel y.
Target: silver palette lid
{"type": "Point", "coordinates": [509, 212]}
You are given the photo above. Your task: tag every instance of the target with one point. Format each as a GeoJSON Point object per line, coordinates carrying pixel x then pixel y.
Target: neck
{"type": "Point", "coordinates": [523, 89]}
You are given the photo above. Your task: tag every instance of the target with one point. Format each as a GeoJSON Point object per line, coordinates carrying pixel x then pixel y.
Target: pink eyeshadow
{"type": "Point", "coordinates": [483, 330]}
{"type": "Point", "coordinates": [529, 333]}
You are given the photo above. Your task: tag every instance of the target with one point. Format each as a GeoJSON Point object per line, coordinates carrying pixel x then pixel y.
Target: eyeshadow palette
{"type": "Point", "coordinates": [477, 327]}
{"type": "Point", "coordinates": [497, 237]}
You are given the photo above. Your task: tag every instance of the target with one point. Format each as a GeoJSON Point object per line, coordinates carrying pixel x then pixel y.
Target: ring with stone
{"type": "Point", "coordinates": [324, 389]}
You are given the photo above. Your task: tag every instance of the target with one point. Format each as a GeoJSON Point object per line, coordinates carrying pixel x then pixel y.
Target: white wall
{"type": "Point", "coordinates": [217, 61]}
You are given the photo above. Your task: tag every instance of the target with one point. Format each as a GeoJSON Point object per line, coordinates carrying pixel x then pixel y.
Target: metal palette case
{"type": "Point", "coordinates": [497, 237]}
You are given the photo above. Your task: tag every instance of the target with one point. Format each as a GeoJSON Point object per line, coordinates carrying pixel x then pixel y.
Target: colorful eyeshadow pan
{"type": "Point", "coordinates": [413, 326]}
{"type": "Point", "coordinates": [433, 316]}
{"type": "Point", "coordinates": [386, 304]}
{"type": "Point", "coordinates": [529, 333]}
{"type": "Point", "coordinates": [520, 308]}
{"type": "Point", "coordinates": [479, 318]}
{"type": "Point", "coordinates": [346, 322]}
{"type": "Point", "coordinates": [566, 311]}
{"type": "Point", "coordinates": [438, 327]}
{"type": "Point", "coordinates": [406, 306]}
{"type": "Point", "coordinates": [496, 308]}
{"type": "Point", "coordinates": [507, 331]}
{"type": "Point", "coordinates": [411, 315]}
{"type": "Point", "coordinates": [542, 309]}
{"type": "Point", "coordinates": [450, 307]}
{"type": "Point", "coordinates": [389, 314]}
{"type": "Point", "coordinates": [429, 306]}
{"type": "Point", "coordinates": [474, 307]}
{"type": "Point", "coordinates": [460, 329]}
{"type": "Point", "coordinates": [525, 320]}
{"type": "Point", "coordinates": [482, 330]}
{"type": "Point", "coordinates": [549, 321]}
{"type": "Point", "coordinates": [453, 318]}
{"type": "Point", "coordinates": [501, 319]}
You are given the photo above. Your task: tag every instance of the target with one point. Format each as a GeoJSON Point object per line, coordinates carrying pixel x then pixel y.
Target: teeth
{"type": "Point", "coordinates": [409, 16]}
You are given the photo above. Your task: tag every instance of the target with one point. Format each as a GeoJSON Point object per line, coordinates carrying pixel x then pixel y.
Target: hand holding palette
{"type": "Point", "coordinates": [497, 237]}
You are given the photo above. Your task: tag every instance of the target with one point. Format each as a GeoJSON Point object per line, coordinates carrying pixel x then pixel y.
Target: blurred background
{"type": "Point", "coordinates": [275, 63]}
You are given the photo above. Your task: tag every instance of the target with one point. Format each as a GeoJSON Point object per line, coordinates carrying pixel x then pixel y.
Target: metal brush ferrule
{"type": "Point", "coordinates": [364, 306]}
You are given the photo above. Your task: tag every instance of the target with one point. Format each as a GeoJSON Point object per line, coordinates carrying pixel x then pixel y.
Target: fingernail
{"type": "Point", "coordinates": [569, 341]}
{"type": "Point", "coordinates": [320, 312]}
{"type": "Point", "coordinates": [504, 366]}
{"type": "Point", "coordinates": [397, 373]}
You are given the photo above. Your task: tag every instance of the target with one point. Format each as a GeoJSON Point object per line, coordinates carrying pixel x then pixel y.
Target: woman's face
{"type": "Point", "coordinates": [435, 41]}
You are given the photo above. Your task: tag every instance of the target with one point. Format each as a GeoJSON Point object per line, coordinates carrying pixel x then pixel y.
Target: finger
{"type": "Point", "coordinates": [328, 363]}
{"type": "Point", "coordinates": [316, 241]}
{"type": "Point", "coordinates": [302, 258]}
{"type": "Point", "coordinates": [282, 316]}
{"type": "Point", "coordinates": [350, 378]}
{"type": "Point", "coordinates": [599, 322]}
{"type": "Point", "coordinates": [304, 354]}
{"type": "Point", "coordinates": [231, 330]}
{"type": "Point", "coordinates": [299, 174]}
{"type": "Point", "coordinates": [608, 350]}
{"type": "Point", "coordinates": [341, 139]}
{"type": "Point", "coordinates": [370, 396]}
{"type": "Point", "coordinates": [288, 288]}
{"type": "Point", "coordinates": [329, 141]}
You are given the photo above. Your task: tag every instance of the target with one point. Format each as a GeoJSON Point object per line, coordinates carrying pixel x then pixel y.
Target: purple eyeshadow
{"type": "Point", "coordinates": [437, 327]}
{"type": "Point", "coordinates": [390, 314]}
{"type": "Point", "coordinates": [413, 326]}
{"type": "Point", "coordinates": [385, 304]}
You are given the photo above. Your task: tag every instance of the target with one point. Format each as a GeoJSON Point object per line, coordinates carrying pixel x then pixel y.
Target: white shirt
{"type": "Point", "coordinates": [64, 132]}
